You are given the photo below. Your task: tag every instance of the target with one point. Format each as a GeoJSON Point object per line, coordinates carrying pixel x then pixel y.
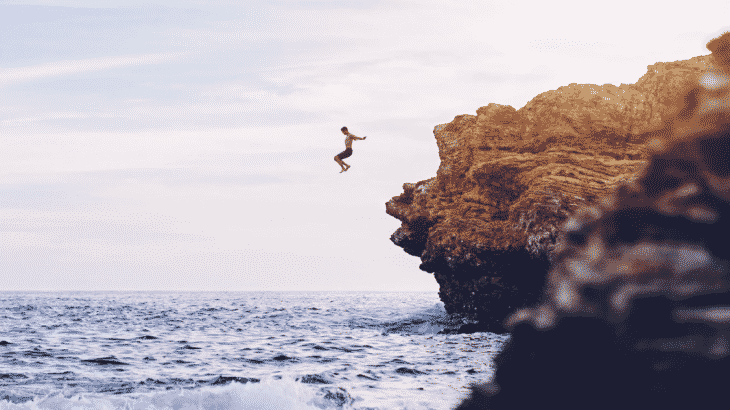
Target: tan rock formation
{"type": "Point", "coordinates": [487, 224]}
{"type": "Point", "coordinates": [635, 311]}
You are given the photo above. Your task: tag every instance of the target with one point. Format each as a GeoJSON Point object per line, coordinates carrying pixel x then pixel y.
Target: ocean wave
{"type": "Point", "coordinates": [427, 321]}
{"type": "Point", "coordinates": [349, 351]}
{"type": "Point", "coordinates": [266, 395]}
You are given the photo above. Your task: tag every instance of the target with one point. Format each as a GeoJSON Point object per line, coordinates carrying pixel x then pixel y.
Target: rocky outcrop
{"type": "Point", "coordinates": [487, 225]}
{"type": "Point", "coordinates": [635, 312]}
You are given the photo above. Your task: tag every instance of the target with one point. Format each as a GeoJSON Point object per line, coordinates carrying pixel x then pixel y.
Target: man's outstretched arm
{"type": "Point", "coordinates": [355, 137]}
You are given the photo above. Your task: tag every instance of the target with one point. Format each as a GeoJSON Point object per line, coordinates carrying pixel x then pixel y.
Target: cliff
{"type": "Point", "coordinates": [487, 225]}
{"type": "Point", "coordinates": [635, 312]}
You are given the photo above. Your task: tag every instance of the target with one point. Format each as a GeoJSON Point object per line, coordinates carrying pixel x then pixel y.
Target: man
{"type": "Point", "coordinates": [347, 152]}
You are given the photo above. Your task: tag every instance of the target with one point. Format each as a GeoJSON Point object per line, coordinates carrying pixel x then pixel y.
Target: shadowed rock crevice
{"type": "Point", "coordinates": [476, 287]}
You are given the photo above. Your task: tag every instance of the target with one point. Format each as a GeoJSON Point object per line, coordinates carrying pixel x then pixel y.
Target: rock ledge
{"type": "Point", "coordinates": [488, 223]}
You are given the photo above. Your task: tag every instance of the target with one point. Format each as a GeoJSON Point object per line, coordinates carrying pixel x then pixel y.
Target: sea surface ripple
{"type": "Point", "coordinates": [247, 350]}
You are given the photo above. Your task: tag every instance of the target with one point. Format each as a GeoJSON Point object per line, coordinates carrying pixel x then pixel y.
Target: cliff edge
{"type": "Point", "coordinates": [487, 225]}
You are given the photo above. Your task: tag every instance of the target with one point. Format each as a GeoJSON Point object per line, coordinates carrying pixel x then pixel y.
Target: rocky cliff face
{"type": "Point", "coordinates": [635, 312]}
{"type": "Point", "coordinates": [488, 223]}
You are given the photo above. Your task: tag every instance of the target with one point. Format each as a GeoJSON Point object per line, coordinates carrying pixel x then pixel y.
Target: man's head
{"type": "Point", "coordinates": [344, 130]}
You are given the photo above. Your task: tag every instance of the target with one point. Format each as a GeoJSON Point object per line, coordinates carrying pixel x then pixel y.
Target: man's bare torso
{"type": "Point", "coordinates": [349, 139]}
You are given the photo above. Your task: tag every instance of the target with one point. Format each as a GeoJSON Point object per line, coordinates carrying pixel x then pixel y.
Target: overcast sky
{"type": "Point", "coordinates": [188, 145]}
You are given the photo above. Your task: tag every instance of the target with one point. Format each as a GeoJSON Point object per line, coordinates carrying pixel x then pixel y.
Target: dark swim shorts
{"type": "Point", "coordinates": [344, 154]}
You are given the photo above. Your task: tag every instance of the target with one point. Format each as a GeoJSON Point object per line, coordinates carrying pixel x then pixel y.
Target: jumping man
{"type": "Point", "coordinates": [346, 153]}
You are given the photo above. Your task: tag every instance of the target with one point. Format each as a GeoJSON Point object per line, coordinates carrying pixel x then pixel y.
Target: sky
{"type": "Point", "coordinates": [188, 145]}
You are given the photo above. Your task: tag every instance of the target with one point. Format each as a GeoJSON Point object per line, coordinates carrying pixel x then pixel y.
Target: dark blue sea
{"type": "Point", "coordinates": [245, 350]}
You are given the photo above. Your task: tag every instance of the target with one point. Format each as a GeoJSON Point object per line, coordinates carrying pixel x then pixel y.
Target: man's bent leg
{"type": "Point", "coordinates": [339, 161]}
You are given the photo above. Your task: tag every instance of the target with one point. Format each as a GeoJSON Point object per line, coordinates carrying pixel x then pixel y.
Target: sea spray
{"type": "Point", "coordinates": [267, 395]}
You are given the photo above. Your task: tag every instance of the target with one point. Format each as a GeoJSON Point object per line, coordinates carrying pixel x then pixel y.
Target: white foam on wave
{"type": "Point", "coordinates": [426, 321]}
{"type": "Point", "coordinates": [267, 395]}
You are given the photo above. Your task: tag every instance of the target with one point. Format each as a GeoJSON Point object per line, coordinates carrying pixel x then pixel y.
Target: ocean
{"type": "Point", "coordinates": [236, 350]}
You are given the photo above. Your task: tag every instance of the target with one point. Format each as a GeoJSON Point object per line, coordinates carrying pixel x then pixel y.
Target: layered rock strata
{"type": "Point", "coordinates": [487, 225]}
{"type": "Point", "coordinates": [636, 311]}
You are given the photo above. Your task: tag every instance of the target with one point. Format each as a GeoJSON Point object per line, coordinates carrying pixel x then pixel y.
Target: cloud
{"type": "Point", "coordinates": [10, 76]}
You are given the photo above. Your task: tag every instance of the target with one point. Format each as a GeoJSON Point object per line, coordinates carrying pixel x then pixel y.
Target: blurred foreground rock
{"type": "Point", "coordinates": [488, 223]}
{"type": "Point", "coordinates": [636, 311]}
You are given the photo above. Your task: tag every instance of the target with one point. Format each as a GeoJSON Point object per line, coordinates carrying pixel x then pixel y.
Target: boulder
{"type": "Point", "coordinates": [488, 223]}
{"type": "Point", "coordinates": [636, 311]}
